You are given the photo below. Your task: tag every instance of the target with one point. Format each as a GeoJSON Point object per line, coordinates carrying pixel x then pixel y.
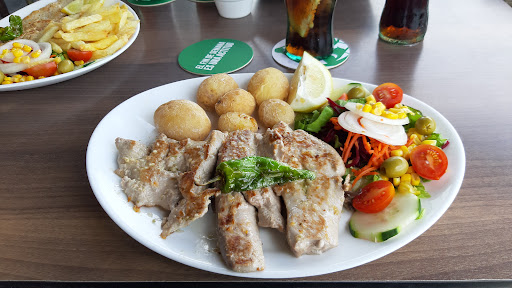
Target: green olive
{"type": "Point", "coordinates": [2, 76]}
{"type": "Point", "coordinates": [65, 66]}
{"type": "Point", "coordinates": [356, 93]}
{"type": "Point", "coordinates": [395, 166]}
{"type": "Point", "coordinates": [425, 125]}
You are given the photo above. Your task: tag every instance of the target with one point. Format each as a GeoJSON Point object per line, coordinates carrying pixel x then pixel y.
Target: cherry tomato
{"type": "Point", "coordinates": [77, 55]}
{"type": "Point", "coordinates": [46, 70]}
{"type": "Point", "coordinates": [374, 197]}
{"type": "Point", "coordinates": [429, 161]}
{"type": "Point", "coordinates": [389, 94]}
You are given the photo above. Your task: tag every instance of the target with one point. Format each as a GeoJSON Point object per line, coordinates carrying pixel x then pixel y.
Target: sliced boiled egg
{"type": "Point", "coordinates": [385, 133]}
{"type": "Point", "coordinates": [357, 108]}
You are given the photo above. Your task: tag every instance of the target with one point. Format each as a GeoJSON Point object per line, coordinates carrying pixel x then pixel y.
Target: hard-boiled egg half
{"type": "Point", "coordinates": [386, 130]}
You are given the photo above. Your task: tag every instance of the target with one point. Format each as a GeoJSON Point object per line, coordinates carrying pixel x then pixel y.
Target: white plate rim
{"type": "Point", "coordinates": [387, 247]}
{"type": "Point", "coordinates": [24, 12]}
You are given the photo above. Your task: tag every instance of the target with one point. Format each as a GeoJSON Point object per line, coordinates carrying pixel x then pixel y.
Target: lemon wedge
{"type": "Point", "coordinates": [73, 7]}
{"type": "Point", "coordinates": [310, 86]}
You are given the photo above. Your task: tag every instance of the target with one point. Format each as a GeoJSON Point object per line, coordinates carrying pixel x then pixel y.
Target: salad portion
{"type": "Point", "coordinates": [390, 151]}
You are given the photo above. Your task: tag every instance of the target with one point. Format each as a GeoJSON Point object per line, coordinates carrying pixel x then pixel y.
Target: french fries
{"type": "Point", "coordinates": [102, 30]}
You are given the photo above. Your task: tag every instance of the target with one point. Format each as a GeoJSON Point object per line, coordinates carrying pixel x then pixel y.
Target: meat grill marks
{"type": "Point", "coordinates": [313, 206]}
{"type": "Point", "coordinates": [165, 176]}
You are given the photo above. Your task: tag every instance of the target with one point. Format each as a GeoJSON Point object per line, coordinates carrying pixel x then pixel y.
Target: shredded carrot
{"type": "Point", "coordinates": [337, 126]}
{"type": "Point", "coordinates": [364, 171]}
{"type": "Point", "coordinates": [346, 150]}
{"type": "Point", "coordinates": [409, 142]}
{"type": "Point", "coordinates": [367, 145]}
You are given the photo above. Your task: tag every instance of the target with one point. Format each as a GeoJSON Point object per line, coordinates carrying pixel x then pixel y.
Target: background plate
{"type": "Point", "coordinates": [24, 12]}
{"type": "Point", "coordinates": [196, 245]}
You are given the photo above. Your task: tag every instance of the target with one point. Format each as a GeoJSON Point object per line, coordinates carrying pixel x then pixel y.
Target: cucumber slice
{"type": "Point", "coordinates": [378, 227]}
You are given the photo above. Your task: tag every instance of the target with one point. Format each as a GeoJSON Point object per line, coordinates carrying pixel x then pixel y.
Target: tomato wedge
{"type": "Point", "coordinates": [389, 94]}
{"type": "Point", "coordinates": [77, 55]}
{"type": "Point", "coordinates": [374, 197]}
{"type": "Point", "coordinates": [45, 69]}
{"type": "Point", "coordinates": [429, 161]}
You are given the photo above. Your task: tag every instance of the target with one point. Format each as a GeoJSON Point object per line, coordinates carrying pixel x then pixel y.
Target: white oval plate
{"type": "Point", "coordinates": [24, 12]}
{"type": "Point", "coordinates": [196, 244]}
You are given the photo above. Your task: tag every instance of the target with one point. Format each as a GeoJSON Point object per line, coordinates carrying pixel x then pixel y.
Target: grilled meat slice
{"type": "Point", "coordinates": [199, 159]}
{"type": "Point", "coordinates": [242, 144]}
{"type": "Point", "coordinates": [145, 179]}
{"type": "Point", "coordinates": [239, 239]}
{"type": "Point", "coordinates": [165, 176]}
{"type": "Point", "coordinates": [36, 21]}
{"type": "Point", "coordinates": [313, 207]}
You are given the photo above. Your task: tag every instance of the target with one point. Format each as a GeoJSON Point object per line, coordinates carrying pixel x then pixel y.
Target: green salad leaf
{"type": "Point", "coordinates": [15, 29]}
{"type": "Point", "coordinates": [439, 141]}
{"type": "Point", "coordinates": [415, 115]}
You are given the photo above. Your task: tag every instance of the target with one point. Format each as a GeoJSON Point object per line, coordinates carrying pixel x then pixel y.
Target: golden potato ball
{"type": "Point", "coordinates": [233, 121]}
{"type": "Point", "coordinates": [237, 100]}
{"type": "Point", "coordinates": [212, 88]}
{"type": "Point", "coordinates": [269, 83]}
{"type": "Point", "coordinates": [273, 111]}
{"type": "Point", "coordinates": [182, 119]}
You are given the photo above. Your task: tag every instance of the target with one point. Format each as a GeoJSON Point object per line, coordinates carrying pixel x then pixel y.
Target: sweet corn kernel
{"type": "Point", "coordinates": [359, 106]}
{"type": "Point", "coordinates": [36, 54]}
{"type": "Point", "coordinates": [7, 78]}
{"type": "Point", "coordinates": [27, 48]}
{"type": "Point", "coordinates": [405, 150]}
{"type": "Point", "coordinates": [399, 105]}
{"type": "Point", "coordinates": [429, 142]}
{"type": "Point", "coordinates": [30, 78]}
{"type": "Point", "coordinates": [56, 73]}
{"type": "Point", "coordinates": [17, 52]}
{"type": "Point", "coordinates": [23, 79]}
{"type": "Point", "coordinates": [15, 80]}
{"type": "Point", "coordinates": [405, 178]}
{"type": "Point", "coordinates": [380, 105]}
{"type": "Point", "coordinates": [16, 60]}
{"type": "Point", "coordinates": [17, 45]}
{"type": "Point", "coordinates": [25, 59]}
{"type": "Point", "coordinates": [396, 152]}
{"type": "Point", "coordinates": [405, 188]}
{"type": "Point", "coordinates": [6, 82]}
{"type": "Point", "coordinates": [395, 110]}
{"type": "Point", "coordinates": [57, 60]}
{"type": "Point", "coordinates": [367, 108]}
{"type": "Point", "coordinates": [389, 115]}
{"type": "Point", "coordinates": [384, 177]}
{"type": "Point", "coordinates": [377, 111]}
{"type": "Point", "coordinates": [78, 63]}
{"type": "Point", "coordinates": [5, 51]}
{"type": "Point", "coordinates": [410, 170]}
{"type": "Point", "coordinates": [415, 179]}
{"type": "Point", "coordinates": [415, 139]}
{"type": "Point", "coordinates": [402, 115]}
{"type": "Point", "coordinates": [370, 99]}
{"type": "Point", "coordinates": [396, 181]}
{"type": "Point", "coordinates": [17, 76]}
{"type": "Point", "coordinates": [41, 77]}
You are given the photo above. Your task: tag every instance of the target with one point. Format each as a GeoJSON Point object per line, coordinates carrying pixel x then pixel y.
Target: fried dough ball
{"type": "Point", "coordinates": [237, 100]}
{"type": "Point", "coordinates": [182, 119]}
{"type": "Point", "coordinates": [233, 121]}
{"type": "Point", "coordinates": [268, 83]}
{"type": "Point", "coordinates": [212, 88]}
